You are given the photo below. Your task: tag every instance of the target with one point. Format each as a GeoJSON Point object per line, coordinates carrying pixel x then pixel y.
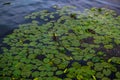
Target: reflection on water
{"type": "Point", "coordinates": [12, 14]}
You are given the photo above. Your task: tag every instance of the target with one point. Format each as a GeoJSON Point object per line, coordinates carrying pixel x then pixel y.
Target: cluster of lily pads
{"type": "Point", "coordinates": [68, 46]}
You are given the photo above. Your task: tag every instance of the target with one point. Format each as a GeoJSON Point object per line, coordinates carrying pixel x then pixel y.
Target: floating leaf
{"type": "Point", "coordinates": [16, 73]}
{"type": "Point", "coordinates": [62, 44]}
{"type": "Point", "coordinates": [56, 61]}
{"type": "Point", "coordinates": [46, 60]}
{"type": "Point", "coordinates": [108, 46]}
{"type": "Point", "coordinates": [105, 78]}
{"type": "Point", "coordinates": [99, 75]}
{"type": "Point", "coordinates": [98, 67]}
{"type": "Point", "coordinates": [35, 74]}
{"type": "Point", "coordinates": [95, 59]}
{"type": "Point", "coordinates": [106, 72]}
{"type": "Point", "coordinates": [50, 73]}
{"type": "Point", "coordinates": [115, 60]}
{"type": "Point", "coordinates": [59, 72]}
{"type": "Point", "coordinates": [118, 75]}
{"type": "Point", "coordinates": [76, 65]}
{"type": "Point", "coordinates": [90, 64]}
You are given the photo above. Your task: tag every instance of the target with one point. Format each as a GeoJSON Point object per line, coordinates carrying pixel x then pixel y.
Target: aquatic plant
{"type": "Point", "coordinates": [67, 46]}
{"type": "Point", "coordinates": [118, 75]}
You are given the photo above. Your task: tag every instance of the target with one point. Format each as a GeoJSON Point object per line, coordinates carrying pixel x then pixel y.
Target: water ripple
{"type": "Point", "coordinates": [11, 15]}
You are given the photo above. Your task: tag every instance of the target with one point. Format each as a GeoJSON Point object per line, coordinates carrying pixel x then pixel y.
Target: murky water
{"type": "Point", "coordinates": [13, 13]}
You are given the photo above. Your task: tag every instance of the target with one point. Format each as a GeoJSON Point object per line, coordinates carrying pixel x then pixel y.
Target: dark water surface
{"type": "Point", "coordinates": [12, 12]}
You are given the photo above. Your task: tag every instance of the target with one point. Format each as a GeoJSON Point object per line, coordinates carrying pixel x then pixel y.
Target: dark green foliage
{"type": "Point", "coordinates": [118, 75]}
{"type": "Point", "coordinates": [68, 46]}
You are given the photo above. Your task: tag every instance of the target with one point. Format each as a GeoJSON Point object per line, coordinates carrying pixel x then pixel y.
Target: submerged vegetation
{"type": "Point", "coordinates": [68, 46]}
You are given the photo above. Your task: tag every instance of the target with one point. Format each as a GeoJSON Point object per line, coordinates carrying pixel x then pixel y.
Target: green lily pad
{"type": "Point", "coordinates": [56, 61]}
{"type": "Point", "coordinates": [115, 60]}
{"type": "Point", "coordinates": [16, 73]}
{"type": "Point", "coordinates": [105, 78]}
{"type": "Point", "coordinates": [76, 65]}
{"type": "Point", "coordinates": [5, 78]}
{"type": "Point", "coordinates": [118, 75]}
{"type": "Point", "coordinates": [26, 74]}
{"type": "Point", "coordinates": [95, 59]}
{"type": "Point", "coordinates": [36, 74]}
{"type": "Point", "coordinates": [46, 60]}
{"type": "Point", "coordinates": [59, 72]}
{"type": "Point", "coordinates": [99, 75]}
{"type": "Point", "coordinates": [108, 46]}
{"type": "Point", "coordinates": [98, 67]}
{"type": "Point", "coordinates": [106, 72]}
{"type": "Point", "coordinates": [63, 43]}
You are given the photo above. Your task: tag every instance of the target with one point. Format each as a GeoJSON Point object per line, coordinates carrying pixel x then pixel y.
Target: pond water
{"type": "Point", "coordinates": [12, 12]}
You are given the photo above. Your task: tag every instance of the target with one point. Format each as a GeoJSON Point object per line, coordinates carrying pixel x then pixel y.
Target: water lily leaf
{"type": "Point", "coordinates": [105, 78]}
{"type": "Point", "coordinates": [5, 78]}
{"type": "Point", "coordinates": [115, 60]}
{"type": "Point", "coordinates": [99, 75]}
{"type": "Point", "coordinates": [90, 64]}
{"type": "Point", "coordinates": [108, 46]}
{"type": "Point", "coordinates": [36, 79]}
{"type": "Point", "coordinates": [118, 75]}
{"type": "Point", "coordinates": [98, 67]}
{"type": "Point", "coordinates": [16, 73]}
{"type": "Point", "coordinates": [95, 59]}
{"type": "Point", "coordinates": [71, 75]}
{"type": "Point", "coordinates": [76, 65]}
{"type": "Point", "coordinates": [56, 61]}
{"type": "Point", "coordinates": [79, 77]}
{"type": "Point", "coordinates": [50, 74]}
{"type": "Point", "coordinates": [59, 72]}
{"type": "Point", "coordinates": [114, 69]}
{"type": "Point", "coordinates": [33, 44]}
{"type": "Point", "coordinates": [54, 68]}
{"type": "Point", "coordinates": [62, 44]}
{"type": "Point", "coordinates": [76, 57]}
{"type": "Point", "coordinates": [51, 16]}
{"type": "Point", "coordinates": [50, 56]}
{"type": "Point", "coordinates": [100, 53]}
{"type": "Point", "coordinates": [41, 68]}
{"type": "Point", "coordinates": [31, 56]}
{"type": "Point", "coordinates": [35, 74]}
{"type": "Point", "coordinates": [67, 79]}
{"type": "Point", "coordinates": [90, 56]}
{"type": "Point", "coordinates": [117, 41]}
{"type": "Point", "coordinates": [46, 60]}
{"type": "Point", "coordinates": [106, 72]}
{"type": "Point", "coordinates": [26, 74]}
{"type": "Point", "coordinates": [42, 73]}
{"type": "Point", "coordinates": [106, 65]}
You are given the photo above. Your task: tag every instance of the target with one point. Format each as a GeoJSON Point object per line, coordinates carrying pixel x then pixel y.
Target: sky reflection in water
{"type": "Point", "coordinates": [13, 14]}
